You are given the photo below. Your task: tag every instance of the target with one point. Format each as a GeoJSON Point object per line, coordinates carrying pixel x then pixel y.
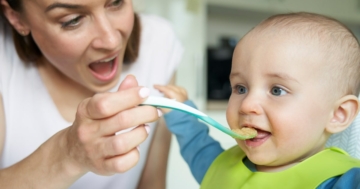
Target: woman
{"type": "Point", "coordinates": [61, 101]}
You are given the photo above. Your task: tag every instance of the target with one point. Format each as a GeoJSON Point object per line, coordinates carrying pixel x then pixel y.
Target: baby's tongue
{"type": "Point", "coordinates": [103, 68]}
{"type": "Point", "coordinates": [262, 134]}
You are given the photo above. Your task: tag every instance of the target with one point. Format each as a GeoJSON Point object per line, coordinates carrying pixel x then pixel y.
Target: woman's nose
{"type": "Point", "coordinates": [251, 104]}
{"type": "Point", "coordinates": [107, 36]}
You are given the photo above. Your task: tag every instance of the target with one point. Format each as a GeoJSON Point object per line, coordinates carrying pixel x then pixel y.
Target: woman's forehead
{"type": "Point", "coordinates": [49, 5]}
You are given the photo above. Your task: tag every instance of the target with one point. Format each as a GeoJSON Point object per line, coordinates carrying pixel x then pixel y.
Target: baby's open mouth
{"type": "Point", "coordinates": [261, 134]}
{"type": "Point", "coordinates": [246, 131]}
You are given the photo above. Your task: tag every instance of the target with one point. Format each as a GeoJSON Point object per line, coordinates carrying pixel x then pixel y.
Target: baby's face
{"type": "Point", "coordinates": [278, 89]}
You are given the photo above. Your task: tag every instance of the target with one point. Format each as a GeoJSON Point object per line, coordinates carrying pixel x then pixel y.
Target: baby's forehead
{"type": "Point", "coordinates": [321, 29]}
{"type": "Point", "coordinates": [325, 36]}
{"type": "Point", "coordinates": [276, 51]}
{"type": "Point", "coordinates": [284, 39]}
{"type": "Point", "coordinates": [321, 34]}
{"type": "Point", "coordinates": [296, 31]}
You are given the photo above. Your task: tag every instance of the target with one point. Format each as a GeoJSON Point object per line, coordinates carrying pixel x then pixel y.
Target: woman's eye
{"type": "Point", "coordinates": [116, 3]}
{"type": "Point", "coordinates": [277, 91]}
{"type": "Point", "coordinates": [239, 89]}
{"type": "Point", "coordinates": [71, 23]}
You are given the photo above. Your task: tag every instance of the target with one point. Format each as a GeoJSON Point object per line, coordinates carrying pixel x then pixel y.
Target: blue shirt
{"type": "Point", "coordinates": [199, 150]}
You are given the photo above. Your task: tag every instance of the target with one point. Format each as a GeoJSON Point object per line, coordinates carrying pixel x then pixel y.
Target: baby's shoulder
{"type": "Point", "coordinates": [350, 179]}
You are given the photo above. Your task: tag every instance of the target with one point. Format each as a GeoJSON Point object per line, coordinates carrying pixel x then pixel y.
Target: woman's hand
{"type": "Point", "coordinates": [173, 92]}
{"type": "Point", "coordinates": [91, 140]}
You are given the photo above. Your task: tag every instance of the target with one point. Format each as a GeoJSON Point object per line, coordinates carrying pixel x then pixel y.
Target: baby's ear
{"type": "Point", "coordinates": [345, 111]}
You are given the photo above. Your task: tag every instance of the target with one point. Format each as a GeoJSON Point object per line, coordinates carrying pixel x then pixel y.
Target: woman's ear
{"type": "Point", "coordinates": [14, 18]}
{"type": "Point", "coordinates": [345, 111]}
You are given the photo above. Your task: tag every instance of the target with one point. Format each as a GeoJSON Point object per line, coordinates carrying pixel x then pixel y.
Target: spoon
{"type": "Point", "coordinates": [163, 102]}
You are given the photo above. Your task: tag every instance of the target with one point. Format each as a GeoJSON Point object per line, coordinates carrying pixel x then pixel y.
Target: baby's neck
{"type": "Point", "coordinates": [262, 168]}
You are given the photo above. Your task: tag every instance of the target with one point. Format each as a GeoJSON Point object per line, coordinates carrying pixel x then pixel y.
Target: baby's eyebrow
{"type": "Point", "coordinates": [234, 74]}
{"type": "Point", "coordinates": [282, 76]}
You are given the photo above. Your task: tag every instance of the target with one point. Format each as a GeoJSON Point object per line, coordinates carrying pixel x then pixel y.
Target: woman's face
{"type": "Point", "coordinates": [84, 39]}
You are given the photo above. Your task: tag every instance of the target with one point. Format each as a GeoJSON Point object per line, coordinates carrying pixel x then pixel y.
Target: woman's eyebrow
{"type": "Point", "coordinates": [62, 5]}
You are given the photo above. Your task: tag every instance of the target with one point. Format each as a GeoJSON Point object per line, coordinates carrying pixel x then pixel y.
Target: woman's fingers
{"type": "Point", "coordinates": [91, 138]}
{"type": "Point", "coordinates": [123, 143]}
{"type": "Point", "coordinates": [104, 105]}
{"type": "Point", "coordinates": [122, 163]}
{"type": "Point", "coordinates": [128, 82]}
{"type": "Point", "coordinates": [128, 118]}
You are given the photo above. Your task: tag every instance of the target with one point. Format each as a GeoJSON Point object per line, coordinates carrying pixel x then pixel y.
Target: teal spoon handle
{"type": "Point", "coordinates": [162, 102]}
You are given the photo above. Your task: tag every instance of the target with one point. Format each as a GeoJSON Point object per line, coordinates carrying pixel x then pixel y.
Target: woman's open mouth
{"type": "Point", "coordinates": [104, 70]}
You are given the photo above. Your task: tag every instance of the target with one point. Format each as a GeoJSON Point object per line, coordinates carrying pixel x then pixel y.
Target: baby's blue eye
{"type": "Point", "coordinates": [240, 89]}
{"type": "Point", "coordinates": [277, 91]}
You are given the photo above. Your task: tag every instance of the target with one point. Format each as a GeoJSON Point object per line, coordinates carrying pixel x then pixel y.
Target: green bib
{"type": "Point", "coordinates": [228, 171]}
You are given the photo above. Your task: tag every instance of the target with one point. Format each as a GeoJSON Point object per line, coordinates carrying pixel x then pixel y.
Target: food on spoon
{"type": "Point", "coordinates": [246, 131]}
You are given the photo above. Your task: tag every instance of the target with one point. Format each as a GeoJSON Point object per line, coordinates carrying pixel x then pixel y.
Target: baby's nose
{"type": "Point", "coordinates": [251, 104]}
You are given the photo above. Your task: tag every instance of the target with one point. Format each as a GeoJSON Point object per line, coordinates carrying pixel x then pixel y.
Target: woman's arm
{"type": "Point", "coordinates": [47, 167]}
{"type": "Point", "coordinates": [90, 144]}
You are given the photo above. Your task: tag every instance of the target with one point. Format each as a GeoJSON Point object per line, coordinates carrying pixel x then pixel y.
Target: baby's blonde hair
{"type": "Point", "coordinates": [340, 45]}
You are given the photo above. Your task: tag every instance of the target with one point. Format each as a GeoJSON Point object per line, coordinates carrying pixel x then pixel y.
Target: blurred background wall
{"type": "Point", "coordinates": [209, 30]}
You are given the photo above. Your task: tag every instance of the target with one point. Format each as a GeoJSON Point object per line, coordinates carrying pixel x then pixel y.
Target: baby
{"type": "Point", "coordinates": [295, 79]}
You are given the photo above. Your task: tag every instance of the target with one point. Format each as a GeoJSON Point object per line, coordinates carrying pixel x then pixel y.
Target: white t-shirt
{"type": "Point", "coordinates": [32, 117]}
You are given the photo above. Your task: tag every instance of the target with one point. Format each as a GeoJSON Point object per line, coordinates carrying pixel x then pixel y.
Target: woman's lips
{"type": "Point", "coordinates": [104, 70]}
{"type": "Point", "coordinates": [260, 138]}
